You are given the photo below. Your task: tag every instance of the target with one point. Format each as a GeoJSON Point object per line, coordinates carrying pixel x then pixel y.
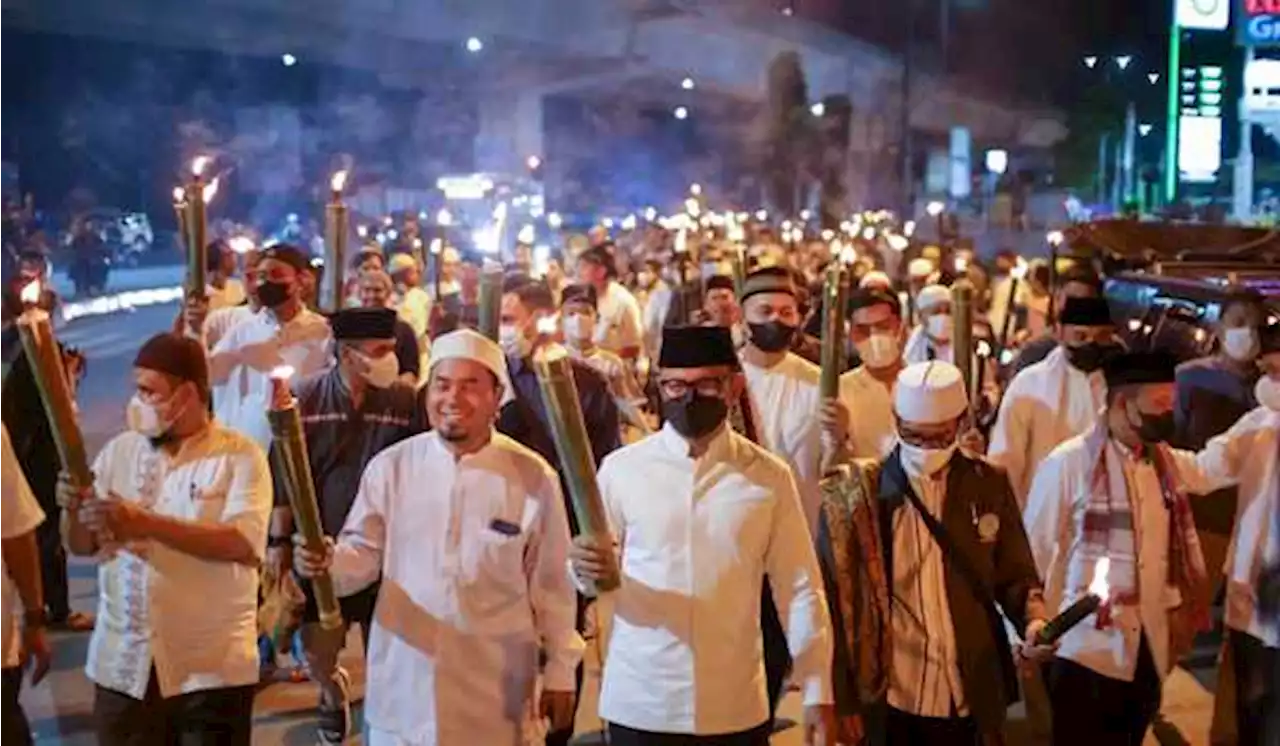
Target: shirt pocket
{"type": "Point", "coordinates": [501, 553]}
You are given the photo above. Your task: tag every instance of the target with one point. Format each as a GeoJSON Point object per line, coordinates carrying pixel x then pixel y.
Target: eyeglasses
{"type": "Point", "coordinates": [941, 439]}
{"type": "Point", "coordinates": [675, 388]}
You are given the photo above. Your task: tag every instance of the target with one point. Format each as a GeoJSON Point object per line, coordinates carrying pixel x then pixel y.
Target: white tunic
{"type": "Point", "coordinates": [194, 619]}
{"type": "Point", "coordinates": [472, 553]}
{"type": "Point", "coordinates": [785, 401]}
{"type": "Point", "coordinates": [619, 324]}
{"type": "Point", "coordinates": [872, 427]}
{"type": "Point", "coordinates": [1044, 405]}
{"type": "Point", "coordinates": [241, 402]}
{"type": "Point", "coordinates": [697, 537]}
{"type": "Point", "coordinates": [20, 514]}
{"type": "Point", "coordinates": [918, 346]}
{"type": "Point", "coordinates": [414, 308]}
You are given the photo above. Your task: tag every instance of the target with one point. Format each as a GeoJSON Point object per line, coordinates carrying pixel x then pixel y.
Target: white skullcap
{"type": "Point", "coordinates": [932, 296]}
{"type": "Point", "coordinates": [875, 279]}
{"type": "Point", "coordinates": [468, 344]}
{"type": "Point", "coordinates": [930, 393]}
{"type": "Point", "coordinates": [401, 262]}
{"type": "Point", "coordinates": [919, 268]}
{"type": "Point", "coordinates": [451, 255]}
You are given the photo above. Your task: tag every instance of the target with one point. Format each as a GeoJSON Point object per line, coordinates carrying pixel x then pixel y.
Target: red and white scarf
{"type": "Point", "coordinates": [1109, 528]}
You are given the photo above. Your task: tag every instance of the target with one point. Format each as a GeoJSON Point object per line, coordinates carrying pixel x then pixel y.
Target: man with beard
{"type": "Point", "coordinates": [285, 332]}
{"type": "Point", "coordinates": [177, 517]}
{"type": "Point", "coordinates": [349, 414]}
{"type": "Point", "coordinates": [700, 515]}
{"type": "Point", "coordinates": [473, 569]}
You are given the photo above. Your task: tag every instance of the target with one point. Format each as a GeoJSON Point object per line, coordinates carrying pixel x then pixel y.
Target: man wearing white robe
{"type": "Point", "coordinates": [876, 330]}
{"type": "Point", "coordinates": [1056, 398]}
{"type": "Point", "coordinates": [468, 530]}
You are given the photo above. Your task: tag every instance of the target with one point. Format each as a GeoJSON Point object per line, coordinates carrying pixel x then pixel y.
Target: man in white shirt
{"type": "Point", "coordinates": [931, 338]}
{"type": "Point", "coordinates": [473, 569]}
{"type": "Point", "coordinates": [578, 317]}
{"type": "Point", "coordinates": [224, 288]}
{"type": "Point", "coordinates": [876, 329]}
{"type": "Point", "coordinates": [216, 322]}
{"type": "Point", "coordinates": [619, 329]}
{"type": "Point", "coordinates": [178, 516]}
{"type": "Point", "coordinates": [1117, 492]}
{"type": "Point", "coordinates": [24, 644]}
{"type": "Point", "coordinates": [701, 514]}
{"type": "Point", "coordinates": [1058, 397]}
{"type": "Point", "coordinates": [284, 332]}
{"type": "Point", "coordinates": [412, 303]}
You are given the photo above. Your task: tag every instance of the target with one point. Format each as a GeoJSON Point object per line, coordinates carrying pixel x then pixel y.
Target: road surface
{"type": "Point", "coordinates": [60, 708]}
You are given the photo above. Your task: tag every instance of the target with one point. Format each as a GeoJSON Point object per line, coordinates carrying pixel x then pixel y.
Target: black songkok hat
{"type": "Point", "coordinates": [1137, 368]}
{"type": "Point", "coordinates": [578, 293]}
{"type": "Point", "coordinates": [1269, 336]}
{"type": "Point", "coordinates": [291, 255]}
{"type": "Point", "coordinates": [720, 282]}
{"type": "Point", "coordinates": [697, 347]}
{"type": "Point", "coordinates": [769, 280]}
{"type": "Point", "coordinates": [874, 296]}
{"type": "Point", "coordinates": [363, 323]}
{"type": "Point", "coordinates": [1086, 312]}
{"type": "Point", "coordinates": [175, 355]}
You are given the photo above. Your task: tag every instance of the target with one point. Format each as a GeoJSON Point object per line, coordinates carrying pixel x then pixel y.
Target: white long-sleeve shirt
{"type": "Point", "coordinates": [1044, 405]}
{"type": "Point", "coordinates": [697, 537]}
{"type": "Point", "coordinates": [19, 514]}
{"type": "Point", "coordinates": [873, 430]}
{"type": "Point", "coordinates": [786, 402]}
{"type": "Point", "coordinates": [619, 325]}
{"type": "Point", "coordinates": [471, 552]}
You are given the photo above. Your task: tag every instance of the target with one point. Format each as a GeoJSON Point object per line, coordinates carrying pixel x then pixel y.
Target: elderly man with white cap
{"type": "Point", "coordinates": [412, 302]}
{"type": "Point", "coordinates": [931, 338]}
{"type": "Point", "coordinates": [473, 568]}
{"type": "Point", "coordinates": [917, 620]}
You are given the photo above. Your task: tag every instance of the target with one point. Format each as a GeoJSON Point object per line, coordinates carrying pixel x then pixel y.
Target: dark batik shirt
{"type": "Point", "coordinates": [341, 442]}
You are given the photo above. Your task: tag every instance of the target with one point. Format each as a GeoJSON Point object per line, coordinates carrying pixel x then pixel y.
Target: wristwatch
{"type": "Point", "coordinates": [35, 618]}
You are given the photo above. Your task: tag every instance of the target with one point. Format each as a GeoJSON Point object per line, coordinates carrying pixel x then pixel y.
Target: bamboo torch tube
{"type": "Point", "coordinates": [180, 213]}
{"type": "Point", "coordinates": [36, 331]}
{"type": "Point", "coordinates": [196, 226]}
{"type": "Point", "coordinates": [832, 352]}
{"type": "Point", "coordinates": [962, 332]}
{"type": "Point", "coordinates": [287, 437]}
{"type": "Point", "coordinates": [335, 243]}
{"type": "Point", "coordinates": [490, 301]}
{"type": "Point", "coordinates": [569, 431]}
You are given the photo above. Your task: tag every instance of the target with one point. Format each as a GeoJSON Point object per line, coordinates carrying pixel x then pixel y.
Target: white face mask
{"type": "Point", "coordinates": [939, 326]}
{"type": "Point", "coordinates": [1240, 343]}
{"type": "Point", "coordinates": [144, 419]}
{"type": "Point", "coordinates": [879, 350]}
{"type": "Point", "coordinates": [922, 463]}
{"type": "Point", "coordinates": [577, 329]}
{"type": "Point", "coordinates": [1267, 392]}
{"type": "Point", "coordinates": [380, 372]}
{"type": "Point", "coordinates": [509, 338]}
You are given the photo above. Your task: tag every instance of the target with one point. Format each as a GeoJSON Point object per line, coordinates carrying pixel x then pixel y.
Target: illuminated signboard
{"type": "Point", "coordinates": [1258, 23]}
{"type": "Point", "coordinates": [1199, 148]}
{"type": "Point", "coordinates": [1207, 15]}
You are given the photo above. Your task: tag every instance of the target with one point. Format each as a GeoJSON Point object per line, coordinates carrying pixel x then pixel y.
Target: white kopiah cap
{"type": "Point", "coordinates": [930, 393]}
{"type": "Point", "coordinates": [932, 296]}
{"type": "Point", "coordinates": [468, 344]}
{"type": "Point", "coordinates": [876, 278]}
{"type": "Point", "coordinates": [919, 268]}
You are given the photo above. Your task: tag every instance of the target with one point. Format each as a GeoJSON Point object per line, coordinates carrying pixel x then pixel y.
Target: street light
{"type": "Point", "coordinates": [818, 109]}
{"type": "Point", "coordinates": [1091, 61]}
{"type": "Point", "coordinates": [288, 60]}
{"type": "Point", "coordinates": [1153, 78]}
{"type": "Point", "coordinates": [687, 84]}
{"type": "Point", "coordinates": [1123, 61]}
{"type": "Point", "coordinates": [554, 220]}
{"type": "Point", "coordinates": [474, 45]}
{"type": "Point", "coordinates": [934, 208]}
{"type": "Point", "coordinates": [533, 162]}
{"type": "Point", "coordinates": [1144, 129]}
{"type": "Point", "coordinates": [695, 189]}
{"type": "Point", "coordinates": [681, 113]}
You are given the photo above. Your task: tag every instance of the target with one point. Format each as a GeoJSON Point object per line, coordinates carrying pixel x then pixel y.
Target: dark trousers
{"type": "Point", "coordinates": [620, 735]}
{"type": "Point", "coordinates": [904, 729]}
{"type": "Point", "coordinates": [777, 658]}
{"type": "Point", "coordinates": [53, 565]}
{"type": "Point", "coordinates": [13, 721]}
{"type": "Point", "coordinates": [1254, 666]}
{"type": "Point", "coordinates": [562, 737]}
{"type": "Point", "coordinates": [1092, 709]}
{"type": "Point", "coordinates": [213, 717]}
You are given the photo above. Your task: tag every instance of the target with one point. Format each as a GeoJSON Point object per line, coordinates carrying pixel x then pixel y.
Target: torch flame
{"type": "Point", "coordinates": [436, 246]}
{"type": "Point", "coordinates": [984, 349]}
{"type": "Point", "coordinates": [848, 255]}
{"type": "Point", "coordinates": [210, 191]}
{"type": "Point", "coordinates": [198, 165]}
{"type": "Point", "coordinates": [31, 293]}
{"type": "Point", "coordinates": [338, 181]}
{"type": "Point", "coordinates": [282, 372]}
{"type": "Point", "coordinates": [1019, 270]}
{"type": "Point", "coordinates": [546, 325]}
{"type": "Point", "coordinates": [241, 244]}
{"type": "Point", "coordinates": [179, 195]}
{"type": "Point", "coordinates": [1099, 587]}
{"type": "Point", "coordinates": [962, 264]}
{"type": "Point", "coordinates": [443, 217]}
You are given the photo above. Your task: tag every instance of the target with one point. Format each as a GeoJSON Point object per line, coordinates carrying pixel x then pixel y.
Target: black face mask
{"type": "Point", "coordinates": [773, 336]}
{"type": "Point", "coordinates": [1090, 357]}
{"type": "Point", "coordinates": [1155, 428]}
{"type": "Point", "coordinates": [694, 415]}
{"type": "Point", "coordinates": [272, 294]}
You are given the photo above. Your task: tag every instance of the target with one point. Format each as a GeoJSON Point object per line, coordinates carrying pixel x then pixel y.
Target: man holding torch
{"type": "Point", "coordinates": [178, 515]}
{"type": "Point", "coordinates": [472, 566]}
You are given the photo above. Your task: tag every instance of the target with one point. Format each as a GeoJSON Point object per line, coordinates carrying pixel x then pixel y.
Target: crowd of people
{"type": "Point", "coordinates": [895, 551]}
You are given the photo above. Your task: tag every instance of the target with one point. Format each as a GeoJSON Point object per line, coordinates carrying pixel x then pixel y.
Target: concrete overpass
{"type": "Point", "coordinates": [536, 48]}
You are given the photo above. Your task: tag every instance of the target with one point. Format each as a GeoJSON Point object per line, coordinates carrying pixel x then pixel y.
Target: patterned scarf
{"type": "Point", "coordinates": [1109, 531]}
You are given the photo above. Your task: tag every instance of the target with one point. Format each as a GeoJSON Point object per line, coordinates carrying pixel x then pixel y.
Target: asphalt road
{"type": "Point", "coordinates": [60, 708]}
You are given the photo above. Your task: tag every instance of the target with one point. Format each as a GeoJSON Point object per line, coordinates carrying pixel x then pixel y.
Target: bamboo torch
{"type": "Point", "coordinates": [1087, 604]}
{"type": "Point", "coordinates": [335, 243]}
{"type": "Point", "coordinates": [962, 332]}
{"type": "Point", "coordinates": [1016, 274]}
{"type": "Point", "coordinates": [490, 300]}
{"type": "Point", "coordinates": [180, 213]}
{"type": "Point", "coordinates": [443, 221]}
{"type": "Point", "coordinates": [832, 353]}
{"type": "Point", "coordinates": [41, 347]}
{"type": "Point", "coordinates": [738, 256]}
{"type": "Point", "coordinates": [196, 226]}
{"type": "Point", "coordinates": [569, 431]}
{"type": "Point", "coordinates": [287, 436]}
{"type": "Point", "coordinates": [1055, 239]}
